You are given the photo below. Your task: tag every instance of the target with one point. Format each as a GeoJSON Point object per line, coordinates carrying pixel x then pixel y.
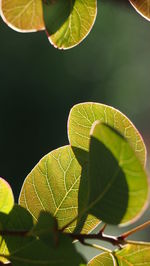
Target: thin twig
{"type": "Point", "coordinates": [107, 238]}
{"type": "Point", "coordinates": [134, 230]}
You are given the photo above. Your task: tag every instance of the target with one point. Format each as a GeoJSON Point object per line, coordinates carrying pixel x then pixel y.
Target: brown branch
{"type": "Point", "coordinates": [100, 236]}
{"type": "Point", "coordinates": [14, 233]}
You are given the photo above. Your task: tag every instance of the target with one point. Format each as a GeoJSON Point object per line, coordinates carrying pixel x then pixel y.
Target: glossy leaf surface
{"type": "Point", "coordinates": [6, 196]}
{"type": "Point", "coordinates": [68, 22]}
{"type": "Point", "coordinates": [134, 255]}
{"type": "Point", "coordinates": [118, 182]}
{"type": "Point", "coordinates": [142, 7]}
{"type": "Point", "coordinates": [83, 115]}
{"type": "Point", "coordinates": [23, 15]}
{"type": "Point", "coordinates": [58, 184]}
{"type": "Point", "coordinates": [103, 259]}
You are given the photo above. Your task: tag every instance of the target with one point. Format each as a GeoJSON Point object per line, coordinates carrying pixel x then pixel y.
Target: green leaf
{"type": "Point", "coordinates": [142, 7]}
{"type": "Point", "coordinates": [23, 15]}
{"type": "Point", "coordinates": [106, 259]}
{"type": "Point", "coordinates": [118, 182]}
{"type": "Point", "coordinates": [83, 115]}
{"type": "Point", "coordinates": [42, 245]}
{"type": "Point", "coordinates": [46, 228]}
{"type": "Point", "coordinates": [17, 219]}
{"type": "Point", "coordinates": [6, 196]}
{"type": "Point", "coordinates": [134, 254]}
{"type": "Point", "coordinates": [68, 22]}
{"type": "Point", "coordinates": [37, 253]}
{"type": "Point", "coordinates": [58, 184]}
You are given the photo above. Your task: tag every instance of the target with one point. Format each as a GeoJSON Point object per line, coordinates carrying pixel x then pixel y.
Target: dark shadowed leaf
{"type": "Point", "coordinates": [118, 182]}
{"type": "Point", "coordinates": [42, 245]}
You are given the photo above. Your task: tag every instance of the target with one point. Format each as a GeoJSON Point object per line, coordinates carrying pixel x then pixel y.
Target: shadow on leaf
{"type": "Point", "coordinates": [56, 13]}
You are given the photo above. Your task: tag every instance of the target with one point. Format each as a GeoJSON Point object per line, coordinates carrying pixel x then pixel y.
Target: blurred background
{"type": "Point", "coordinates": [39, 84]}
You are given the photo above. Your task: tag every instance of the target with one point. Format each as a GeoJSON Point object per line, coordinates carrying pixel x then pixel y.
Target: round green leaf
{"type": "Point", "coordinates": [142, 7]}
{"type": "Point", "coordinates": [83, 115]}
{"type": "Point", "coordinates": [23, 15]}
{"type": "Point", "coordinates": [118, 182]}
{"type": "Point", "coordinates": [68, 22]}
{"type": "Point", "coordinates": [58, 184]}
{"type": "Point", "coordinates": [6, 196]}
{"type": "Point", "coordinates": [106, 259]}
{"type": "Point", "coordinates": [134, 254]}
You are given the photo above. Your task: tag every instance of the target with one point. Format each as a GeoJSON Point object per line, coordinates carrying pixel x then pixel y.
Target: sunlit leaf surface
{"type": "Point", "coordinates": [68, 22]}
{"type": "Point", "coordinates": [58, 184]}
{"type": "Point", "coordinates": [23, 15]}
{"type": "Point", "coordinates": [6, 196]}
{"type": "Point", "coordinates": [83, 115]}
{"type": "Point", "coordinates": [104, 259]}
{"type": "Point", "coordinates": [134, 255]}
{"type": "Point", "coordinates": [118, 182]}
{"type": "Point", "coordinates": [142, 7]}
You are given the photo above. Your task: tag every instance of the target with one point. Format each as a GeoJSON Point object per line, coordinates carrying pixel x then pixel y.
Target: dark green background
{"type": "Point", "coordinates": [39, 84]}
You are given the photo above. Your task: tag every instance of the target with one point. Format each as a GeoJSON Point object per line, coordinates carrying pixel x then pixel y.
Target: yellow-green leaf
{"type": "Point", "coordinates": [58, 184]}
{"type": "Point", "coordinates": [134, 255]}
{"type": "Point", "coordinates": [104, 259]}
{"type": "Point", "coordinates": [68, 22]}
{"type": "Point", "coordinates": [6, 196]}
{"type": "Point", "coordinates": [142, 7]}
{"type": "Point", "coordinates": [23, 15]}
{"type": "Point", "coordinates": [83, 115]}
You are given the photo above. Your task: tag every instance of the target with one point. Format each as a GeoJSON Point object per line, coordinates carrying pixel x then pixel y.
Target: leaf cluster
{"type": "Point", "coordinates": [98, 177]}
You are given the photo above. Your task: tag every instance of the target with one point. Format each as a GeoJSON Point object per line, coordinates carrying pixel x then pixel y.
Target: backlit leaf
{"type": "Point", "coordinates": [6, 196]}
{"type": "Point", "coordinates": [68, 21]}
{"type": "Point", "coordinates": [105, 259]}
{"type": "Point", "coordinates": [118, 182]}
{"type": "Point", "coordinates": [134, 255]}
{"type": "Point", "coordinates": [83, 115]}
{"type": "Point", "coordinates": [58, 184]}
{"type": "Point", "coordinates": [23, 15]}
{"type": "Point", "coordinates": [142, 7]}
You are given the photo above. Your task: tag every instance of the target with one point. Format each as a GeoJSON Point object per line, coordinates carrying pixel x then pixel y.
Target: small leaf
{"type": "Point", "coordinates": [58, 184]}
{"type": "Point", "coordinates": [134, 254]}
{"type": "Point", "coordinates": [83, 115]}
{"type": "Point", "coordinates": [118, 182]}
{"type": "Point", "coordinates": [23, 15]}
{"type": "Point", "coordinates": [6, 196]}
{"type": "Point", "coordinates": [142, 7]}
{"type": "Point", "coordinates": [106, 259]}
{"type": "Point", "coordinates": [68, 22]}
